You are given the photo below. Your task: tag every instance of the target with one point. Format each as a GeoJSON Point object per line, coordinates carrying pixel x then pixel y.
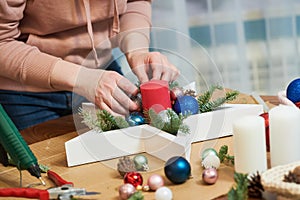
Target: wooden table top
{"type": "Point", "coordinates": [47, 142]}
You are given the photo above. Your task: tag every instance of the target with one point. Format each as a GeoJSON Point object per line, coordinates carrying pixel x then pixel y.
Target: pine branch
{"type": "Point", "coordinates": [205, 105]}
{"type": "Point", "coordinates": [224, 156]}
{"type": "Point", "coordinates": [137, 196]}
{"type": "Point", "coordinates": [240, 190]}
{"type": "Point", "coordinates": [171, 124]}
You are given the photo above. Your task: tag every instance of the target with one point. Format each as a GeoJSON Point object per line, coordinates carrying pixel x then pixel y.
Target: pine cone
{"type": "Point", "coordinates": [291, 177]}
{"type": "Point", "coordinates": [255, 188]}
{"type": "Point", "coordinates": [190, 92]}
{"type": "Point", "coordinates": [125, 165]}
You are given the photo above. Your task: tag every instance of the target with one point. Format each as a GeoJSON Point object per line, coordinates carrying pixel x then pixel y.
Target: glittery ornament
{"type": "Point", "coordinates": [155, 181]}
{"type": "Point", "coordinates": [125, 165]}
{"type": "Point", "coordinates": [141, 163]}
{"type": "Point", "coordinates": [163, 193]}
{"type": "Point", "coordinates": [176, 92]}
{"type": "Point", "coordinates": [186, 105]}
{"type": "Point", "coordinates": [293, 91]}
{"type": "Point", "coordinates": [177, 169]}
{"type": "Point", "coordinates": [135, 119]}
{"type": "Point", "coordinates": [211, 161]}
{"type": "Point", "coordinates": [208, 151]}
{"type": "Point", "coordinates": [133, 178]}
{"type": "Point", "coordinates": [210, 176]}
{"type": "Point", "coordinates": [126, 190]}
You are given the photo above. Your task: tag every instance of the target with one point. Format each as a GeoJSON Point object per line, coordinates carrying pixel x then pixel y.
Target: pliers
{"type": "Point", "coordinates": [64, 191]}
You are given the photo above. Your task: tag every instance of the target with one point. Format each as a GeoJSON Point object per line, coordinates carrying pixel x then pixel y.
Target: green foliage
{"type": "Point", "coordinates": [173, 85]}
{"type": "Point", "coordinates": [171, 122]}
{"type": "Point", "coordinates": [205, 103]}
{"type": "Point", "coordinates": [240, 190]}
{"type": "Point", "coordinates": [137, 196]}
{"type": "Point", "coordinates": [104, 121]}
{"type": "Point", "coordinates": [224, 156]}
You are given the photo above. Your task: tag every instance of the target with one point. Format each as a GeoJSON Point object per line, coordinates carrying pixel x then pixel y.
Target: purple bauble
{"type": "Point", "coordinates": [186, 105]}
{"type": "Point", "coordinates": [126, 191]}
{"type": "Point", "coordinates": [210, 176]}
{"type": "Point", "coordinates": [155, 181]}
{"type": "Point", "coordinates": [293, 91]}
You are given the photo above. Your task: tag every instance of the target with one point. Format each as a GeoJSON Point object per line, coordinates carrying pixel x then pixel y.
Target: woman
{"type": "Point", "coordinates": [52, 48]}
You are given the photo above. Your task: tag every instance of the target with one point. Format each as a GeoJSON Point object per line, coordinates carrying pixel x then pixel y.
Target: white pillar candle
{"type": "Point", "coordinates": [249, 142]}
{"type": "Point", "coordinates": [284, 129]}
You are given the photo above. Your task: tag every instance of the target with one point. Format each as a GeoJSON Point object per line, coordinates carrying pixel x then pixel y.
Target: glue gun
{"type": "Point", "coordinates": [13, 144]}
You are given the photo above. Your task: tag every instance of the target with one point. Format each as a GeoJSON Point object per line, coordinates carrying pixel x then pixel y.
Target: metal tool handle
{"type": "Point", "coordinates": [31, 193]}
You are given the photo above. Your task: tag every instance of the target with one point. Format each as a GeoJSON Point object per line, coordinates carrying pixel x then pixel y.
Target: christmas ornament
{"type": "Point", "coordinates": [135, 119]}
{"type": "Point", "coordinates": [165, 117]}
{"type": "Point", "coordinates": [133, 178]}
{"type": "Point", "coordinates": [211, 161]}
{"type": "Point", "coordinates": [210, 176]}
{"type": "Point", "coordinates": [126, 191]}
{"type": "Point", "coordinates": [155, 181]}
{"type": "Point", "coordinates": [177, 169]}
{"type": "Point", "coordinates": [176, 92]}
{"type": "Point", "coordinates": [163, 193]}
{"type": "Point", "coordinates": [125, 165]}
{"type": "Point", "coordinates": [141, 163]}
{"type": "Point", "coordinates": [208, 151]}
{"type": "Point", "coordinates": [293, 91]}
{"type": "Point", "coordinates": [186, 105]}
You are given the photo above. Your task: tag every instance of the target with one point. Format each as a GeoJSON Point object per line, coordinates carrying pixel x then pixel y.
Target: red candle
{"type": "Point", "coordinates": [155, 95]}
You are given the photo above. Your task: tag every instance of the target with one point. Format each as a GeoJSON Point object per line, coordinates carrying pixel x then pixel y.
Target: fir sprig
{"type": "Point", "coordinates": [205, 103]}
{"type": "Point", "coordinates": [137, 196]}
{"type": "Point", "coordinates": [240, 189]}
{"type": "Point", "coordinates": [224, 156]}
{"type": "Point", "coordinates": [171, 122]}
{"type": "Point", "coordinates": [103, 121]}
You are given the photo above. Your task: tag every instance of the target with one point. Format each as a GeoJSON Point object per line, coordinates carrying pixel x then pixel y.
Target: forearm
{"type": "Point", "coordinates": [135, 27]}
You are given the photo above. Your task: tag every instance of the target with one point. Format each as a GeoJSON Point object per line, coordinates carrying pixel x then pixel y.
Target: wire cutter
{"type": "Point", "coordinates": [63, 191]}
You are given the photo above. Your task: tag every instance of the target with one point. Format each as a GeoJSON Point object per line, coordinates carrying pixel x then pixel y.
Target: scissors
{"type": "Point", "coordinates": [65, 190]}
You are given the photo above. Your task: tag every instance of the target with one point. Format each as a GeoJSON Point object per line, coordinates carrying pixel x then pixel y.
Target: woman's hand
{"type": "Point", "coordinates": [151, 65]}
{"type": "Point", "coordinates": [108, 90]}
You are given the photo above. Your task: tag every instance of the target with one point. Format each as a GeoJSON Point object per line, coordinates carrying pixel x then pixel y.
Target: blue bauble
{"type": "Point", "coordinates": [177, 169]}
{"type": "Point", "coordinates": [293, 91]}
{"type": "Point", "coordinates": [135, 119]}
{"type": "Point", "coordinates": [186, 105]}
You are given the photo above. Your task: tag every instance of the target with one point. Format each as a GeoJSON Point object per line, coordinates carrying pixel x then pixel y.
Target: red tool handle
{"type": "Point", "coordinates": [59, 181]}
{"type": "Point", "coordinates": [25, 192]}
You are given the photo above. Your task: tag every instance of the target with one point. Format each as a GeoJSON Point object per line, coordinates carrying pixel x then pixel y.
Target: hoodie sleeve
{"type": "Point", "coordinates": [19, 61]}
{"type": "Point", "coordinates": [135, 26]}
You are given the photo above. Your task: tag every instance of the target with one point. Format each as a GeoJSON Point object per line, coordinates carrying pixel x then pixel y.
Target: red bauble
{"type": "Point", "coordinates": [266, 117]}
{"type": "Point", "coordinates": [133, 178]}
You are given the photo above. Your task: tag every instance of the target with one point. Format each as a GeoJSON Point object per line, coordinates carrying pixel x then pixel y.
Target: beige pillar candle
{"type": "Point", "coordinates": [249, 142]}
{"type": "Point", "coordinates": [284, 129]}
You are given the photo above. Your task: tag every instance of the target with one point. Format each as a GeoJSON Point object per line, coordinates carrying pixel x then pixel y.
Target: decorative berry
{"type": "Point", "coordinates": [293, 91]}
{"type": "Point", "coordinates": [186, 105]}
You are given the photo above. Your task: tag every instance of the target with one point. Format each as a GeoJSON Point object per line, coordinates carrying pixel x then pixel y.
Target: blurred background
{"type": "Point", "coordinates": [253, 45]}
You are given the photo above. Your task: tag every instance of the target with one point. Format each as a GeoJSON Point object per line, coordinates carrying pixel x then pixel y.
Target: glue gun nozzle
{"type": "Point", "coordinates": [42, 181]}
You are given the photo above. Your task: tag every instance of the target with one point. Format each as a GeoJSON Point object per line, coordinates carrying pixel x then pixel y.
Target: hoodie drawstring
{"type": "Point", "coordinates": [90, 30]}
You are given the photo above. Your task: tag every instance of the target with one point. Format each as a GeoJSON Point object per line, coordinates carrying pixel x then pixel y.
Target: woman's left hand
{"type": "Point", "coordinates": [152, 65]}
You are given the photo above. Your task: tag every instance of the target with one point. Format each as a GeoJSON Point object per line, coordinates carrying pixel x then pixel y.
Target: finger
{"type": "Point", "coordinates": [128, 87]}
{"type": "Point", "coordinates": [124, 100]}
{"type": "Point", "coordinates": [116, 107]}
{"type": "Point", "coordinates": [141, 72]}
{"type": "Point", "coordinates": [107, 108]}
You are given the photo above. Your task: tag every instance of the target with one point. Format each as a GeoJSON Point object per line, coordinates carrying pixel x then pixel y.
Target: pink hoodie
{"type": "Point", "coordinates": [37, 36]}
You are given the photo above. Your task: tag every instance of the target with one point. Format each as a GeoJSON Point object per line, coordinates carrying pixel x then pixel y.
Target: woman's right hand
{"type": "Point", "coordinates": [108, 90]}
